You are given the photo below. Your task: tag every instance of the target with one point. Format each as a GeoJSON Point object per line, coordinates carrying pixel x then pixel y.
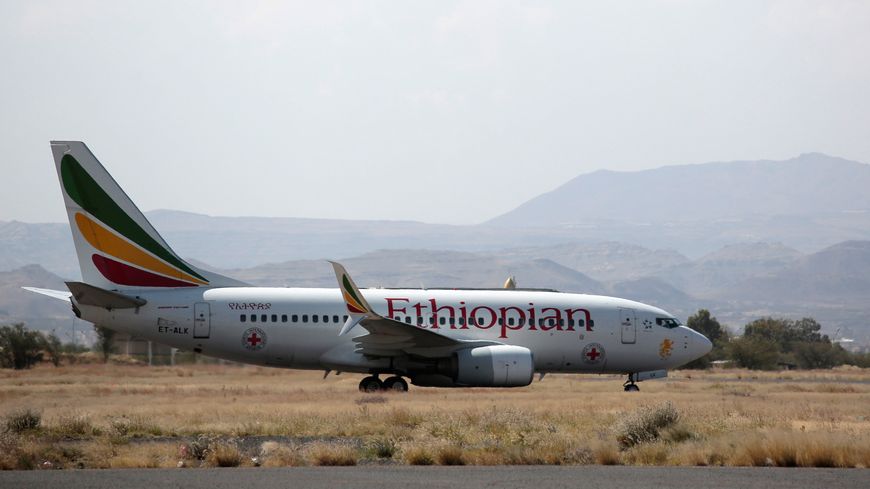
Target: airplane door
{"type": "Point", "coordinates": [628, 324]}
{"type": "Point", "coordinates": [201, 320]}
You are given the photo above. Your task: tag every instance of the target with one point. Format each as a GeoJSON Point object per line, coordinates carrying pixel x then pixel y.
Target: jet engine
{"type": "Point", "coordinates": [494, 366]}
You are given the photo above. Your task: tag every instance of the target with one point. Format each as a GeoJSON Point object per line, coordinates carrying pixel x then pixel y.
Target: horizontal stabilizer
{"type": "Point", "coordinates": [55, 294]}
{"type": "Point", "coordinates": [89, 295]}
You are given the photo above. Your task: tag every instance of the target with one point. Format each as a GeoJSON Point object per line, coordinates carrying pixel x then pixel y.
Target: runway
{"type": "Point", "coordinates": [402, 477]}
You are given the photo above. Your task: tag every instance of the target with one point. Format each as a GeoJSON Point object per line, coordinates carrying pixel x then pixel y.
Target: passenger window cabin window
{"type": "Point", "coordinates": [253, 318]}
{"type": "Point", "coordinates": [283, 318]}
{"type": "Point", "coordinates": [274, 318]}
{"type": "Point", "coordinates": [407, 319]}
{"type": "Point", "coordinates": [263, 318]}
{"type": "Point", "coordinates": [243, 318]}
{"type": "Point", "coordinates": [452, 321]}
{"type": "Point", "coordinates": [305, 318]}
{"type": "Point", "coordinates": [315, 318]}
{"type": "Point", "coordinates": [325, 318]}
{"type": "Point", "coordinates": [334, 319]}
{"type": "Point", "coordinates": [344, 318]}
{"type": "Point", "coordinates": [462, 321]}
{"type": "Point", "coordinates": [295, 318]}
{"type": "Point", "coordinates": [442, 320]}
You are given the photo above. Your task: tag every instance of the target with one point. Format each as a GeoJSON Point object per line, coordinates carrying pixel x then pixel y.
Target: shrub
{"type": "Point", "coordinates": [450, 455]}
{"type": "Point", "coordinates": [223, 454]}
{"type": "Point", "coordinates": [643, 425]}
{"type": "Point", "coordinates": [331, 455]}
{"type": "Point", "coordinates": [574, 456]}
{"type": "Point", "coordinates": [23, 420]}
{"type": "Point", "coordinates": [74, 426]}
{"type": "Point", "coordinates": [418, 456]}
{"type": "Point", "coordinates": [198, 448]}
{"type": "Point", "coordinates": [383, 447]}
{"type": "Point", "coordinates": [606, 454]}
{"type": "Point", "coordinates": [275, 454]}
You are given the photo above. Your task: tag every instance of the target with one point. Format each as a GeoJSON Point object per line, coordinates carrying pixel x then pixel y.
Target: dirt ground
{"type": "Point", "coordinates": [206, 415]}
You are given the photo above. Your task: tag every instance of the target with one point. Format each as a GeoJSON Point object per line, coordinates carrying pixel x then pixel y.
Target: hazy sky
{"type": "Point", "coordinates": [449, 112]}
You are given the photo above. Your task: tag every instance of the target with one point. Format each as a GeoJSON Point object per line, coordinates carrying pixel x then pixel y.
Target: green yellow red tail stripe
{"type": "Point", "coordinates": [354, 304]}
{"type": "Point", "coordinates": [137, 258]}
{"type": "Point", "coordinates": [111, 244]}
{"type": "Point", "coordinates": [87, 193]}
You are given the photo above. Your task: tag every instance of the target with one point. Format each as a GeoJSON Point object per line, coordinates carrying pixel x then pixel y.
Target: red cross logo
{"type": "Point", "coordinates": [593, 354]}
{"type": "Point", "coordinates": [254, 339]}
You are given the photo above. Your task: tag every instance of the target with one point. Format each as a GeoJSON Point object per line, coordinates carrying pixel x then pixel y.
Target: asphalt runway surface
{"type": "Point", "coordinates": [403, 477]}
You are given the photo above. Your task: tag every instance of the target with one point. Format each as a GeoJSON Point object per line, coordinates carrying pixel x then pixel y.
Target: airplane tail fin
{"type": "Point", "coordinates": [117, 247]}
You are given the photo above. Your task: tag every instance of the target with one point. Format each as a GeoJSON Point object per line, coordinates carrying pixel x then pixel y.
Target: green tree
{"type": "Point", "coordinates": [818, 354]}
{"type": "Point", "coordinates": [104, 344]}
{"type": "Point", "coordinates": [798, 342]}
{"type": "Point", "coordinates": [708, 326]}
{"type": "Point", "coordinates": [53, 348]}
{"type": "Point", "coordinates": [754, 353]}
{"type": "Point", "coordinates": [786, 333]}
{"type": "Point", "coordinates": [20, 347]}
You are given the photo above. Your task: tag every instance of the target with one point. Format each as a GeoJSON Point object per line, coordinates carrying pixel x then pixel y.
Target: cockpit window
{"type": "Point", "coordinates": [669, 323]}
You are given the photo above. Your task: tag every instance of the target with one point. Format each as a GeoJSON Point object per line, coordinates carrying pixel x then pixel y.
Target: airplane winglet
{"type": "Point", "coordinates": [357, 307]}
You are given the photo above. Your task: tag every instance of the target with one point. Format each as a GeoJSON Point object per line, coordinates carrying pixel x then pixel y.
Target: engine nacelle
{"type": "Point", "coordinates": [494, 366]}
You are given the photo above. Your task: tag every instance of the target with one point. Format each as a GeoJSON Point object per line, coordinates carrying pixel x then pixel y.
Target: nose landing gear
{"type": "Point", "coordinates": [629, 385]}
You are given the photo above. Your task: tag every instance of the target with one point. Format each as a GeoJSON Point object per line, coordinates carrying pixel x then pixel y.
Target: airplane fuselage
{"type": "Point", "coordinates": [298, 327]}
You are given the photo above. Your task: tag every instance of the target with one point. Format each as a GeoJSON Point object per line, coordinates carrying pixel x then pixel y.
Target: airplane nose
{"type": "Point", "coordinates": [701, 345]}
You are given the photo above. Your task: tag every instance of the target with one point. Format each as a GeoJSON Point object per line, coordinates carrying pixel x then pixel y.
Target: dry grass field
{"type": "Point", "coordinates": [101, 416]}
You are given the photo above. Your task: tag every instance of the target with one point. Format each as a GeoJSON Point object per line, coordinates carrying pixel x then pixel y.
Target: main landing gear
{"type": "Point", "coordinates": [373, 384]}
{"type": "Point", "coordinates": [629, 385]}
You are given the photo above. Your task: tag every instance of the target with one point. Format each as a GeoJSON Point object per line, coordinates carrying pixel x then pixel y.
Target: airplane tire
{"type": "Point", "coordinates": [632, 388]}
{"type": "Point", "coordinates": [370, 384]}
{"type": "Point", "coordinates": [395, 384]}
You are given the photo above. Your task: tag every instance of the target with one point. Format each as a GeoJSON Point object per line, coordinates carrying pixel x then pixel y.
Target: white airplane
{"type": "Point", "coordinates": [133, 282]}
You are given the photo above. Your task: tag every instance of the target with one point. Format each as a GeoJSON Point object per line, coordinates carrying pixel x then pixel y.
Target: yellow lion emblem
{"type": "Point", "coordinates": [665, 348]}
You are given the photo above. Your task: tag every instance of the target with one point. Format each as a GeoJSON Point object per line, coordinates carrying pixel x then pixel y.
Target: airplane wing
{"type": "Point", "coordinates": [387, 337]}
{"type": "Point", "coordinates": [63, 295]}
